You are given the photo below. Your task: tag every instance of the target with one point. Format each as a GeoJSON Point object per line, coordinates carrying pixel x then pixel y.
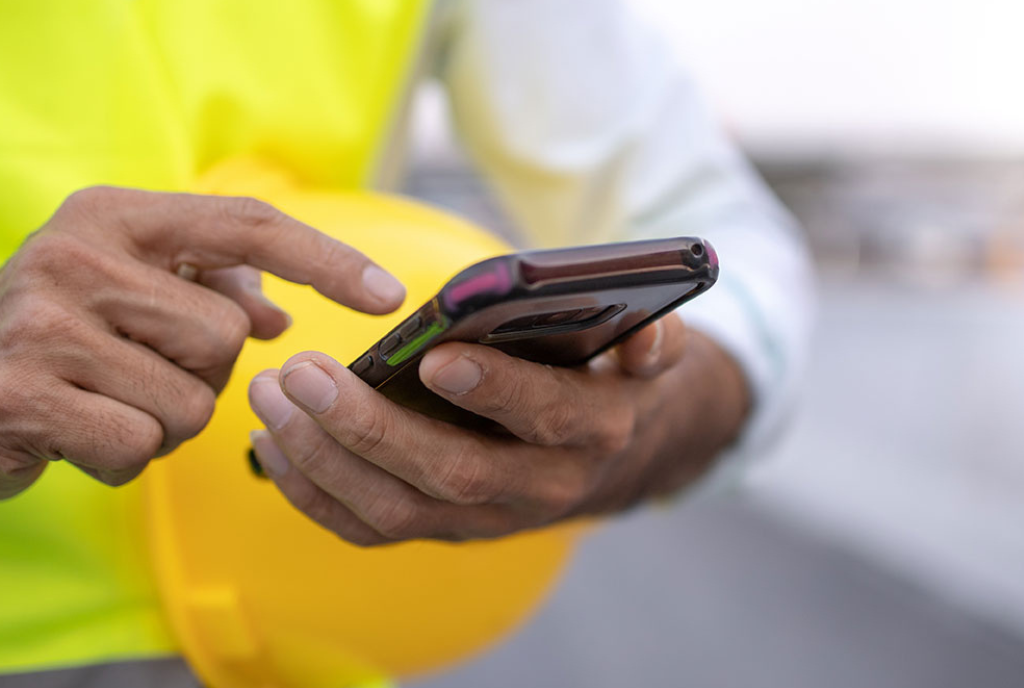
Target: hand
{"type": "Point", "coordinates": [640, 421]}
{"type": "Point", "coordinates": [108, 357]}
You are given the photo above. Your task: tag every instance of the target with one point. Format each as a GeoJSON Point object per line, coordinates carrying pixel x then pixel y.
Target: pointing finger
{"type": "Point", "coordinates": [174, 229]}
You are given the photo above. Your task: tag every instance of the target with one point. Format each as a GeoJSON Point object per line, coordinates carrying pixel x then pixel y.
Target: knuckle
{"type": "Point", "coordinates": [463, 480]}
{"type": "Point", "coordinates": [553, 427]}
{"type": "Point", "coordinates": [21, 323]}
{"type": "Point", "coordinates": [66, 269]}
{"type": "Point", "coordinates": [144, 445]}
{"type": "Point", "coordinates": [314, 459]}
{"type": "Point", "coordinates": [13, 400]}
{"type": "Point", "coordinates": [53, 253]}
{"type": "Point", "coordinates": [131, 445]}
{"type": "Point", "coordinates": [234, 327]}
{"type": "Point", "coordinates": [396, 519]}
{"type": "Point", "coordinates": [367, 429]}
{"type": "Point", "coordinates": [251, 211]}
{"type": "Point", "coordinates": [10, 405]}
{"type": "Point", "coordinates": [225, 329]}
{"type": "Point", "coordinates": [505, 399]}
{"type": "Point", "coordinates": [308, 501]}
{"type": "Point", "coordinates": [50, 316]}
{"type": "Point", "coordinates": [315, 504]}
{"type": "Point", "coordinates": [615, 433]}
{"type": "Point", "coordinates": [197, 409]}
{"type": "Point", "coordinates": [15, 464]}
{"type": "Point", "coordinates": [340, 261]}
{"type": "Point", "coordinates": [26, 404]}
{"type": "Point", "coordinates": [119, 477]}
{"type": "Point", "coordinates": [335, 253]}
{"type": "Point", "coordinates": [558, 496]}
{"type": "Point", "coordinates": [89, 199]}
{"type": "Point", "coordinates": [37, 321]}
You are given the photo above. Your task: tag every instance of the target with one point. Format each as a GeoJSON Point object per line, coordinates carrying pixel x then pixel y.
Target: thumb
{"type": "Point", "coordinates": [244, 285]}
{"type": "Point", "coordinates": [655, 348]}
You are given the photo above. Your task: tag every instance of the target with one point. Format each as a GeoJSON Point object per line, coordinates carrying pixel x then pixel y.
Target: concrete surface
{"type": "Point", "coordinates": [724, 595]}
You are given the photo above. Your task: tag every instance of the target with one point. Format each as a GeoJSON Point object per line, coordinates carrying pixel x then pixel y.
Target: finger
{"type": "Point", "coordinates": [390, 506]}
{"type": "Point", "coordinates": [441, 460]}
{"type": "Point", "coordinates": [117, 441]}
{"type": "Point", "coordinates": [444, 461]}
{"type": "Point", "coordinates": [655, 348]}
{"type": "Point", "coordinates": [243, 285]}
{"type": "Point", "coordinates": [194, 326]}
{"type": "Point", "coordinates": [197, 328]}
{"type": "Point", "coordinates": [540, 404]}
{"type": "Point", "coordinates": [305, 496]}
{"type": "Point", "coordinates": [17, 471]}
{"type": "Point", "coordinates": [111, 439]}
{"type": "Point", "coordinates": [171, 229]}
{"type": "Point", "coordinates": [135, 375]}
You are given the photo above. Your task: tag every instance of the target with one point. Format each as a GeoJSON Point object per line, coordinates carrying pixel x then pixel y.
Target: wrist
{"type": "Point", "coordinates": [685, 418]}
{"type": "Point", "coordinates": [704, 403]}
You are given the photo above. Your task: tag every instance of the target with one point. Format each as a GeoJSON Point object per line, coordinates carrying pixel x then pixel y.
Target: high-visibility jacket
{"type": "Point", "coordinates": [150, 94]}
{"type": "Point", "coordinates": [292, 105]}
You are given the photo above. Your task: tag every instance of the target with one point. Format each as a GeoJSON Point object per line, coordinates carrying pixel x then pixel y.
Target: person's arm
{"type": "Point", "coordinates": [588, 136]}
{"type": "Point", "coordinates": [588, 131]}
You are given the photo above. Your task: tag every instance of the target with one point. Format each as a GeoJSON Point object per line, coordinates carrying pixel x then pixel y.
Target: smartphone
{"type": "Point", "coordinates": [559, 307]}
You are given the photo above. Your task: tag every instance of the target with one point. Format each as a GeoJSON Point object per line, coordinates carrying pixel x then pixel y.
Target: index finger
{"type": "Point", "coordinates": [175, 229]}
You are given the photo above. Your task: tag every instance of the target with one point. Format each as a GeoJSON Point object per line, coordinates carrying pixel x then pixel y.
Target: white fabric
{"type": "Point", "coordinates": [588, 132]}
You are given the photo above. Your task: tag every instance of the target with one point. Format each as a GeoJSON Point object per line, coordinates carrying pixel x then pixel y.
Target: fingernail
{"type": "Point", "coordinates": [255, 290]}
{"type": "Point", "coordinates": [654, 353]}
{"type": "Point", "coordinates": [270, 403]}
{"type": "Point", "coordinates": [458, 377]}
{"type": "Point", "coordinates": [381, 285]}
{"type": "Point", "coordinates": [311, 386]}
{"type": "Point", "coordinates": [270, 456]}
{"type": "Point", "coordinates": [258, 294]}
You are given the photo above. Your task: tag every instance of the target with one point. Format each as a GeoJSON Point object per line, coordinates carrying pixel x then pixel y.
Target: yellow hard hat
{"type": "Point", "coordinates": [260, 596]}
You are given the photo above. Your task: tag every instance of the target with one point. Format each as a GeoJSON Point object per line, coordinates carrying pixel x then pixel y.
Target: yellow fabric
{"type": "Point", "coordinates": [152, 93]}
{"type": "Point", "coordinates": [261, 596]}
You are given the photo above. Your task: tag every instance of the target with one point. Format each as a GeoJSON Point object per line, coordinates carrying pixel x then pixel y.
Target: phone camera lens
{"type": "Point", "coordinates": [697, 250]}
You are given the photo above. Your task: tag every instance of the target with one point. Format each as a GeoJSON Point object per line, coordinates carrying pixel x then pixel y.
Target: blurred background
{"type": "Point", "coordinates": [882, 541]}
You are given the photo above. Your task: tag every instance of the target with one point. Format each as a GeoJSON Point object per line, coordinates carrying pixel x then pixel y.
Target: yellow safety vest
{"type": "Point", "coordinates": [152, 93]}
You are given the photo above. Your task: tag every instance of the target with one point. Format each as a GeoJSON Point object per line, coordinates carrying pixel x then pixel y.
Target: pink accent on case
{"type": "Point", "coordinates": [712, 255]}
{"type": "Point", "coordinates": [498, 281]}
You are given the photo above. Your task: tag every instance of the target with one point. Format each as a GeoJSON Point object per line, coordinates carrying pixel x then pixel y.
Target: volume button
{"type": "Point", "coordinates": [389, 344]}
{"type": "Point", "coordinates": [410, 328]}
{"type": "Point", "coordinates": [362, 365]}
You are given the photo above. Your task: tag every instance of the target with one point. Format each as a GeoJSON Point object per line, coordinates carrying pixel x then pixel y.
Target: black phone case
{"type": "Point", "coordinates": [559, 307]}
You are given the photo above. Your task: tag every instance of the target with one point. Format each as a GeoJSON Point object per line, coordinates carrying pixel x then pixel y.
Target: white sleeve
{"type": "Point", "coordinates": [588, 132]}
